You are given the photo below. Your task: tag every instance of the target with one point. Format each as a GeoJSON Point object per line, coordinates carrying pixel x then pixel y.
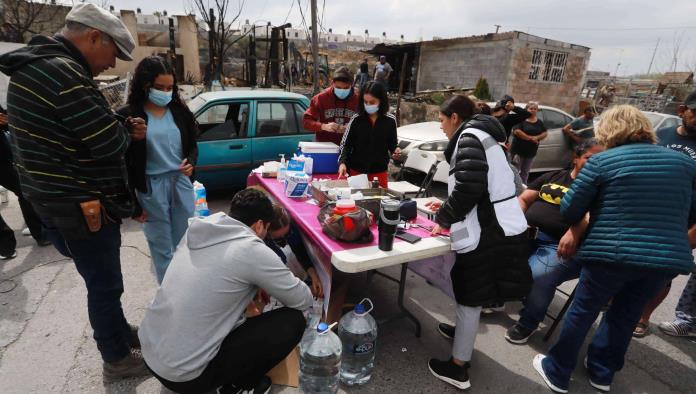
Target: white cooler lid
{"type": "Point", "coordinates": [318, 147]}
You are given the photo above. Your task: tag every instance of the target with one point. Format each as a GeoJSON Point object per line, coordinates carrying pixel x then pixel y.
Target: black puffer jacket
{"type": "Point", "coordinates": [497, 270]}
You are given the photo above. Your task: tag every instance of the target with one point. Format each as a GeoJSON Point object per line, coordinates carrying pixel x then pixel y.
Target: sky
{"type": "Point", "coordinates": [623, 34]}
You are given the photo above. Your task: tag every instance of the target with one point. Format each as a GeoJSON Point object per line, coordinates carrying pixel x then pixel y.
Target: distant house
{"type": "Point", "coordinates": [522, 65]}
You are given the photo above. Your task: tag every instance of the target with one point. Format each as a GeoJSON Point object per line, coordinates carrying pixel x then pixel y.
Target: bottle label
{"type": "Point", "coordinates": [363, 348]}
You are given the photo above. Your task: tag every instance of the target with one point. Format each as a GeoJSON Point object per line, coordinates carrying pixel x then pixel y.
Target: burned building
{"type": "Point", "coordinates": [525, 66]}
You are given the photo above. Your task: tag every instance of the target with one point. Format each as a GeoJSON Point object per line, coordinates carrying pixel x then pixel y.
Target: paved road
{"type": "Point", "coordinates": [46, 345]}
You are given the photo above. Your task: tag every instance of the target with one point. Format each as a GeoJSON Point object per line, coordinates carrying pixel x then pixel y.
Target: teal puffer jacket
{"type": "Point", "coordinates": [641, 199]}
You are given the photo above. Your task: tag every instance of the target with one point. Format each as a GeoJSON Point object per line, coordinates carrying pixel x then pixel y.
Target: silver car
{"type": "Point", "coordinates": [554, 151]}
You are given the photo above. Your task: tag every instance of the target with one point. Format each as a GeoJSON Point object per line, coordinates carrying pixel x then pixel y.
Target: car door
{"type": "Point", "coordinates": [224, 144]}
{"type": "Point", "coordinates": [555, 151]}
{"type": "Point", "coordinates": [277, 130]}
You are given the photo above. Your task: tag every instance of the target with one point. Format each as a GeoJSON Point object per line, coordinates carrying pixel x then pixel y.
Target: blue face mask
{"type": "Point", "coordinates": [371, 109]}
{"type": "Point", "coordinates": [341, 93]}
{"type": "Point", "coordinates": [159, 98]}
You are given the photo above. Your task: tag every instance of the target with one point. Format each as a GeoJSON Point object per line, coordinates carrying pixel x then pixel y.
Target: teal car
{"type": "Point", "coordinates": [240, 129]}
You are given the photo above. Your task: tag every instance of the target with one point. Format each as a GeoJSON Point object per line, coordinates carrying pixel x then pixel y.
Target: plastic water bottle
{"type": "Point", "coordinates": [320, 360]}
{"type": "Point", "coordinates": [282, 170]}
{"type": "Point", "coordinates": [358, 333]}
{"type": "Point", "coordinates": [201, 208]}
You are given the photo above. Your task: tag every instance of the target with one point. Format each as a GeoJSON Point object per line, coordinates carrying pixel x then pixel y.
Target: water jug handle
{"type": "Point", "coordinates": [372, 306]}
{"type": "Point", "coordinates": [328, 328]}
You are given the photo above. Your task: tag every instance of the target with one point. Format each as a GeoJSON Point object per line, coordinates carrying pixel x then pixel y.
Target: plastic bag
{"type": "Point", "coordinates": [351, 227]}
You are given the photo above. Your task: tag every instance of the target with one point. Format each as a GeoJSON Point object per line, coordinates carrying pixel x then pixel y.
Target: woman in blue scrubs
{"type": "Point", "coordinates": [161, 166]}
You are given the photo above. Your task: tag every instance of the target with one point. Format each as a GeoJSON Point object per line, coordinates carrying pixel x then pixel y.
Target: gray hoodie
{"type": "Point", "coordinates": [215, 272]}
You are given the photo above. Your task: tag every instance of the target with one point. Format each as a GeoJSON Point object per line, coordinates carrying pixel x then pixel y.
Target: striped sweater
{"type": "Point", "coordinates": [67, 143]}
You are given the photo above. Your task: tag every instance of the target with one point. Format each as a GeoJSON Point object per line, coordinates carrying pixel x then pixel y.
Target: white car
{"type": "Point", "coordinates": [660, 120]}
{"type": "Point", "coordinates": [554, 151]}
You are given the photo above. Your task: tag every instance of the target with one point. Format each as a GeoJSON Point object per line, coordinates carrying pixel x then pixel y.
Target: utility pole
{"type": "Point", "coordinates": [652, 59]}
{"type": "Point", "coordinates": [497, 28]}
{"type": "Point", "coordinates": [315, 48]}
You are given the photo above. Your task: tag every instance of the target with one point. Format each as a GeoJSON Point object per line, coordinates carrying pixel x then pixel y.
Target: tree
{"type": "Point", "coordinates": [481, 91]}
{"type": "Point", "coordinates": [23, 16]}
{"type": "Point", "coordinates": [220, 23]}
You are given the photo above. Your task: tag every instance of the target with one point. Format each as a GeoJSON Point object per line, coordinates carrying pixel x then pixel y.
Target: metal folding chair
{"type": "Point", "coordinates": [558, 318]}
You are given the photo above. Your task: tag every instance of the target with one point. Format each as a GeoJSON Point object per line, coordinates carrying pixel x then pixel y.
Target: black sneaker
{"type": "Point", "coordinates": [262, 387]}
{"type": "Point", "coordinates": [451, 373]}
{"type": "Point", "coordinates": [8, 255]}
{"type": "Point", "coordinates": [446, 330]}
{"type": "Point", "coordinates": [518, 334]}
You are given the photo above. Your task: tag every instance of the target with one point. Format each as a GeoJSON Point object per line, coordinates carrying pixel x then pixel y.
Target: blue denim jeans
{"type": "Point", "coordinates": [549, 271]}
{"type": "Point", "coordinates": [630, 288]}
{"type": "Point", "coordinates": [98, 261]}
{"type": "Point", "coordinates": [686, 308]}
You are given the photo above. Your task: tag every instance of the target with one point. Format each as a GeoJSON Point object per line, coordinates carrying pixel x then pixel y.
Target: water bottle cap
{"type": "Point", "coordinates": [360, 309]}
{"type": "Point", "coordinates": [322, 327]}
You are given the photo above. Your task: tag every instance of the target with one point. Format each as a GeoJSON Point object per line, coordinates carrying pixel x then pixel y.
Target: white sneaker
{"type": "Point", "coordinates": [537, 366]}
{"type": "Point", "coordinates": [26, 232]}
{"type": "Point", "coordinates": [601, 387]}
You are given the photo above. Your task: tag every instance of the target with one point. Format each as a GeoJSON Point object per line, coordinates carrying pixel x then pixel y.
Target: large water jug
{"type": "Point", "coordinates": [320, 360]}
{"type": "Point", "coordinates": [358, 333]}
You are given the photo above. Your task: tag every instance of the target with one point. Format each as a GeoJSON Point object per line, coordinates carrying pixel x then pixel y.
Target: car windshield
{"type": "Point", "coordinates": [653, 118]}
{"type": "Point", "coordinates": [195, 104]}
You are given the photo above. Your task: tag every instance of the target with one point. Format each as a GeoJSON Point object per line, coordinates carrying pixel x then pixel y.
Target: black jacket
{"type": "Point", "coordinates": [497, 270]}
{"type": "Point", "coordinates": [366, 148]}
{"type": "Point", "coordinates": [512, 118]}
{"type": "Point", "coordinates": [136, 156]}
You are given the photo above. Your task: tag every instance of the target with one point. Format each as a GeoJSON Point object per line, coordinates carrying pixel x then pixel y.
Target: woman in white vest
{"type": "Point", "coordinates": [486, 226]}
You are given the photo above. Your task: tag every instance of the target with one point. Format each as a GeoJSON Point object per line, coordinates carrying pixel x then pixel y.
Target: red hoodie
{"type": "Point", "coordinates": [325, 107]}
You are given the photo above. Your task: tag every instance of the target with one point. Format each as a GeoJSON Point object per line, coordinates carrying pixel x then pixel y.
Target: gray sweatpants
{"type": "Point", "coordinates": [465, 334]}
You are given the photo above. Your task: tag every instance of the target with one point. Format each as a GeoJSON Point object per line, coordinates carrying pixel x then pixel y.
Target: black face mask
{"type": "Point", "coordinates": [452, 144]}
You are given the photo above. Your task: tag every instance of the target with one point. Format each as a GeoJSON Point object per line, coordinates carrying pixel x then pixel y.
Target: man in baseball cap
{"type": "Point", "coordinates": [100, 19]}
{"type": "Point", "coordinates": [70, 147]}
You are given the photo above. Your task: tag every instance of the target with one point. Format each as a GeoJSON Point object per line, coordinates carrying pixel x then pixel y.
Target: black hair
{"type": "Point", "coordinates": [144, 77]}
{"type": "Point", "coordinates": [250, 205]}
{"type": "Point", "coordinates": [280, 218]}
{"type": "Point", "coordinates": [586, 145]}
{"type": "Point", "coordinates": [376, 90]}
{"type": "Point", "coordinates": [460, 105]}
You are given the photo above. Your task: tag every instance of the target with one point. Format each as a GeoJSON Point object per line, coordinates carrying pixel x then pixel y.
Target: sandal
{"type": "Point", "coordinates": [641, 330]}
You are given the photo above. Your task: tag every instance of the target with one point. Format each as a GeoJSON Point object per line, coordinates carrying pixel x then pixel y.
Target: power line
{"type": "Point", "coordinates": [611, 28]}
{"type": "Point", "coordinates": [292, 5]}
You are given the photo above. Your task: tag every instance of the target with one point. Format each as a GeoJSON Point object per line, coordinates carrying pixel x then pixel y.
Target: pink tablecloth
{"type": "Point", "coordinates": [321, 247]}
{"type": "Point", "coordinates": [305, 216]}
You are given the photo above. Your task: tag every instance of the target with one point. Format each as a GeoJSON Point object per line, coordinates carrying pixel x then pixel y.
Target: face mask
{"type": "Point", "coordinates": [159, 98]}
{"type": "Point", "coordinates": [371, 109]}
{"type": "Point", "coordinates": [341, 93]}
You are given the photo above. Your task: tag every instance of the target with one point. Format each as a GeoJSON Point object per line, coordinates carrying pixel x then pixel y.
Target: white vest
{"type": "Point", "coordinates": [465, 235]}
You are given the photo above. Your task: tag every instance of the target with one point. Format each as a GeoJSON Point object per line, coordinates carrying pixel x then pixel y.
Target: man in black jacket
{"type": "Point", "coordinates": [69, 148]}
{"type": "Point", "coordinates": [10, 181]}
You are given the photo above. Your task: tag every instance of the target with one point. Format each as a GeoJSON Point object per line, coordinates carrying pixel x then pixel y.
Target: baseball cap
{"type": "Point", "coordinates": [690, 100]}
{"type": "Point", "coordinates": [100, 19]}
{"type": "Point", "coordinates": [343, 74]}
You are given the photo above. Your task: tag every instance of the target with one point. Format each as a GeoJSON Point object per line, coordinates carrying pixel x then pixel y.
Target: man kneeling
{"type": "Point", "coordinates": [195, 336]}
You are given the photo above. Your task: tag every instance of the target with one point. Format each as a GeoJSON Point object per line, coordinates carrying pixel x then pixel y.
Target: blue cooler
{"type": "Point", "coordinates": [324, 156]}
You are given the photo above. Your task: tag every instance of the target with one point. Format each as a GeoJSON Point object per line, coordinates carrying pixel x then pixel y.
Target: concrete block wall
{"type": "Point", "coordinates": [563, 95]}
{"type": "Point", "coordinates": [461, 65]}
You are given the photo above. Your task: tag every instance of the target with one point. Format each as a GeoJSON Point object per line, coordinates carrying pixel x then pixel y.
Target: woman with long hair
{"type": "Point", "coordinates": [161, 166]}
{"type": "Point", "coordinates": [370, 137]}
{"type": "Point", "coordinates": [527, 136]}
{"type": "Point", "coordinates": [486, 226]}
